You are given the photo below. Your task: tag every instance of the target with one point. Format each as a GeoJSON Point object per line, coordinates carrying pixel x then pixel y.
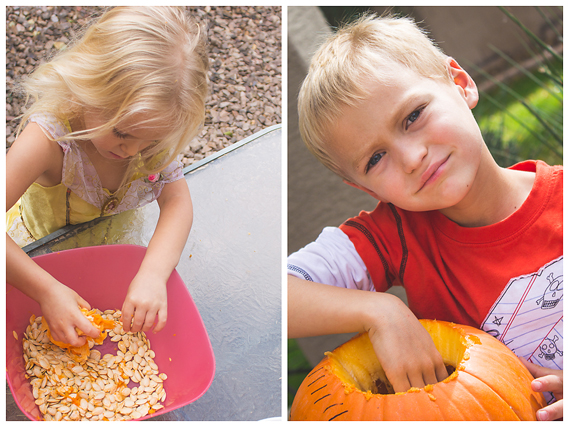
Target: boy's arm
{"type": "Point", "coordinates": [147, 297]}
{"type": "Point", "coordinates": [404, 348]}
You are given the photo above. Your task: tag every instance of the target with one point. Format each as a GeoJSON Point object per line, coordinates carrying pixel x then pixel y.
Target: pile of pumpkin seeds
{"type": "Point", "coordinates": [97, 389]}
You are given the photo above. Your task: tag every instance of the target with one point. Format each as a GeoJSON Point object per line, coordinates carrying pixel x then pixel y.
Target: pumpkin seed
{"type": "Point", "coordinates": [100, 383]}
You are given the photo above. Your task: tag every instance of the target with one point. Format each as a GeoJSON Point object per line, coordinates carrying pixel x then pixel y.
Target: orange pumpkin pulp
{"type": "Point", "coordinates": [82, 353]}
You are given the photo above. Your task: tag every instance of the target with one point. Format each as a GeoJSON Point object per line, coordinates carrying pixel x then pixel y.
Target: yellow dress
{"type": "Point", "coordinates": [80, 196]}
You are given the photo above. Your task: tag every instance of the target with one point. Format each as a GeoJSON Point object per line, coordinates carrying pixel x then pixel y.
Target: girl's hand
{"type": "Point", "coordinates": [547, 380]}
{"type": "Point", "coordinates": [146, 298]}
{"type": "Point", "coordinates": [405, 349]}
{"type": "Point", "coordinates": [60, 308]}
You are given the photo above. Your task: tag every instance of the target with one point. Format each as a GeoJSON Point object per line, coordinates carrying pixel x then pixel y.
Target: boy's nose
{"type": "Point", "coordinates": [412, 157]}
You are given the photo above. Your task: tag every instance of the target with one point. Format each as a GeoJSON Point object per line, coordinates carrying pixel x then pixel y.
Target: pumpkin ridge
{"type": "Point", "coordinates": [438, 400]}
{"type": "Point", "coordinates": [498, 399]}
{"type": "Point", "coordinates": [442, 395]}
{"type": "Point", "coordinates": [515, 397]}
{"type": "Point", "coordinates": [523, 401]}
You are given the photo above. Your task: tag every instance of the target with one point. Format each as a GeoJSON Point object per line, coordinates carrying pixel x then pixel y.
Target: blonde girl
{"type": "Point", "coordinates": [111, 115]}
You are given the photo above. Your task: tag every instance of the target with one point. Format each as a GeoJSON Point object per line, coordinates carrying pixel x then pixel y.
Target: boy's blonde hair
{"type": "Point", "coordinates": [131, 60]}
{"type": "Point", "coordinates": [349, 59]}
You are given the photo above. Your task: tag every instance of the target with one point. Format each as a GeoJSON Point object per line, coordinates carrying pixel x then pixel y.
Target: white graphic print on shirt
{"type": "Point", "coordinates": [528, 316]}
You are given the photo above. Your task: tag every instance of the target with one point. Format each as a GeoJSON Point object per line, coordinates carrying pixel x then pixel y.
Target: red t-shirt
{"type": "Point", "coordinates": [455, 273]}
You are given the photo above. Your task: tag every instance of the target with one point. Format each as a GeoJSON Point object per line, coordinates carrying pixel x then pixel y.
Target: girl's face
{"type": "Point", "coordinates": [128, 138]}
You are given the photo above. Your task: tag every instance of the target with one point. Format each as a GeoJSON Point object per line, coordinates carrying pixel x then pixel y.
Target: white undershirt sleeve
{"type": "Point", "coordinates": [331, 259]}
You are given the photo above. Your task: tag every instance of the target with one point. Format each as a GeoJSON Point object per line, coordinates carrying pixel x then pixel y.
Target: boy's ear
{"type": "Point", "coordinates": [463, 80]}
{"type": "Point", "coordinates": [359, 187]}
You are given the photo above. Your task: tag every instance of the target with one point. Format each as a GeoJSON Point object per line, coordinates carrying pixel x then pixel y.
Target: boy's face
{"type": "Point", "coordinates": [413, 142]}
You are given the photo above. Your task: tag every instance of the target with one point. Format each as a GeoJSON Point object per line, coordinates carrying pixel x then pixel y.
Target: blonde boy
{"type": "Point", "coordinates": [390, 113]}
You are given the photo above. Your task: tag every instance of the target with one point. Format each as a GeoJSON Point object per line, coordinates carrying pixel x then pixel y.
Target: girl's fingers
{"type": "Point", "coordinates": [83, 303]}
{"type": "Point", "coordinates": [142, 318]}
{"type": "Point", "coordinates": [69, 336]}
{"type": "Point", "coordinates": [87, 327]}
{"type": "Point", "coordinates": [75, 341]}
{"type": "Point", "coordinates": [65, 332]}
{"type": "Point", "coordinates": [83, 323]}
{"type": "Point", "coordinates": [138, 321]}
{"type": "Point", "coordinates": [58, 336]}
{"type": "Point", "coordinates": [148, 320]}
{"type": "Point", "coordinates": [162, 317]}
{"type": "Point", "coordinates": [126, 317]}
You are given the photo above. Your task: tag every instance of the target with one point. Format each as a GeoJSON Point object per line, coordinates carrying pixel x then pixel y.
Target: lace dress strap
{"type": "Point", "coordinates": [52, 127]}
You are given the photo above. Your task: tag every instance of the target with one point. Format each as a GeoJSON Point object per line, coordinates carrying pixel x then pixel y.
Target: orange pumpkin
{"type": "Point", "coordinates": [488, 382]}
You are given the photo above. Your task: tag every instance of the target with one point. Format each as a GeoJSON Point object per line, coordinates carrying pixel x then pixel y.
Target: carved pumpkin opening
{"type": "Point", "coordinates": [355, 363]}
{"type": "Point", "coordinates": [384, 386]}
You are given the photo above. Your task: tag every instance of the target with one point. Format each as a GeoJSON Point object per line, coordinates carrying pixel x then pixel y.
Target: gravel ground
{"type": "Point", "coordinates": [245, 71]}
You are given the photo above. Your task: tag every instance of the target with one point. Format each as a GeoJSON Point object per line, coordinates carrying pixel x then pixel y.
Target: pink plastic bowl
{"type": "Point", "coordinates": [101, 275]}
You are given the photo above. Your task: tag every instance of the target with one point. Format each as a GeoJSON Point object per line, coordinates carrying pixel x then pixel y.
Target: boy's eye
{"type": "Point", "coordinates": [374, 160]}
{"type": "Point", "coordinates": [119, 134]}
{"type": "Point", "coordinates": [412, 117]}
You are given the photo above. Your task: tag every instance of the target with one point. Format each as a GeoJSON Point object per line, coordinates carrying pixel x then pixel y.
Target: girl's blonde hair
{"type": "Point", "coordinates": [131, 60]}
{"type": "Point", "coordinates": [351, 58]}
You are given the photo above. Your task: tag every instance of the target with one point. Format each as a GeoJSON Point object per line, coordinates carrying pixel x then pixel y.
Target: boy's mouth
{"type": "Point", "coordinates": [433, 172]}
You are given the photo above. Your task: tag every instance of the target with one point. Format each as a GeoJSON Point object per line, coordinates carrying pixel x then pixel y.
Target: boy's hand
{"type": "Point", "coordinates": [547, 380]}
{"type": "Point", "coordinates": [60, 308]}
{"type": "Point", "coordinates": [403, 346]}
{"type": "Point", "coordinates": [405, 350]}
{"type": "Point", "coordinates": [146, 298]}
